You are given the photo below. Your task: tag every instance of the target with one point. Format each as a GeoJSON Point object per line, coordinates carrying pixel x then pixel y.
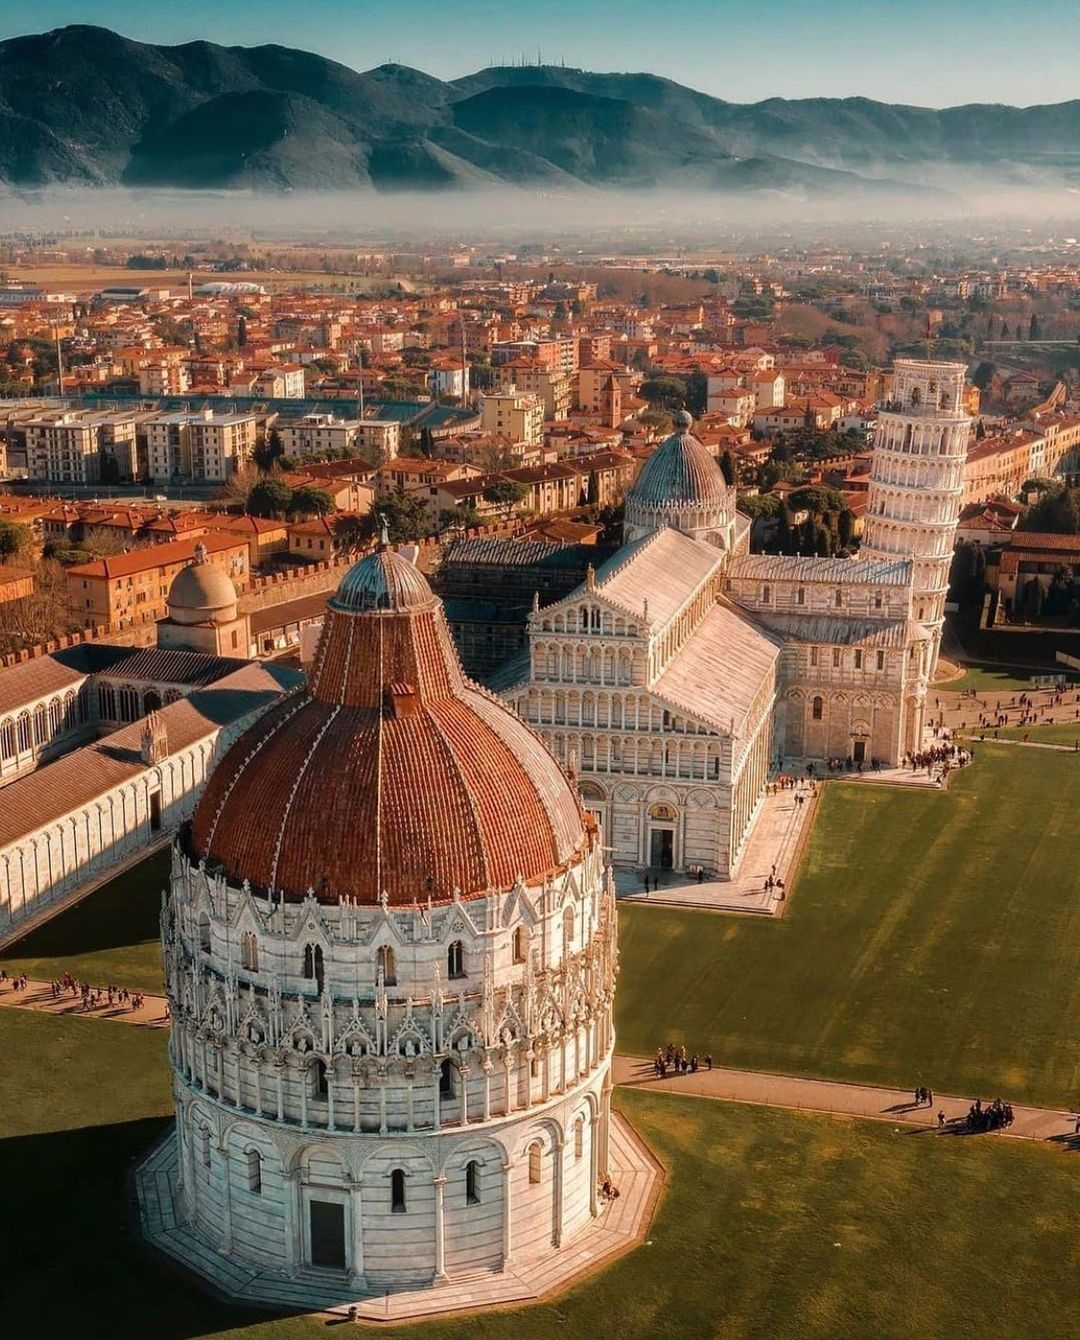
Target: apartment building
{"type": "Point", "coordinates": [515, 415]}
{"type": "Point", "coordinates": [205, 448]}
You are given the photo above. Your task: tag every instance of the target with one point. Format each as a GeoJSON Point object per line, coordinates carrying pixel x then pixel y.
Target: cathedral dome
{"type": "Point", "coordinates": [681, 486]}
{"type": "Point", "coordinates": [389, 773]}
{"type": "Point", "coordinates": [203, 592]}
{"type": "Point", "coordinates": [680, 473]}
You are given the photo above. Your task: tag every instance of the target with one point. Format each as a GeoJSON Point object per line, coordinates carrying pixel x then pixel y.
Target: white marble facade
{"type": "Point", "coordinates": [396, 1096]}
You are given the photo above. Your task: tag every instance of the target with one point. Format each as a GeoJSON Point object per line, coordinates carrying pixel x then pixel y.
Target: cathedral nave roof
{"type": "Point", "coordinates": [719, 671]}
{"type": "Point", "coordinates": [664, 569]}
{"type": "Point", "coordinates": [833, 632]}
{"type": "Point", "coordinates": [834, 571]}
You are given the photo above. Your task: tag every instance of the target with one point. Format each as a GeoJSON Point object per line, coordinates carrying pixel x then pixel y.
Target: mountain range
{"type": "Point", "coordinates": [85, 106]}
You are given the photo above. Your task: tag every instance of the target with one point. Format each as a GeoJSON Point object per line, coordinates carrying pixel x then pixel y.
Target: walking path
{"type": "Point", "coordinates": [848, 1100]}
{"type": "Point", "coordinates": [737, 1086]}
{"type": "Point", "coordinates": [775, 847]}
{"type": "Point", "coordinates": [152, 1013]}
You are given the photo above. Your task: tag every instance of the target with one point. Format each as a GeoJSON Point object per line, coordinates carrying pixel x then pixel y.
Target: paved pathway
{"type": "Point", "coordinates": [737, 1086]}
{"type": "Point", "coordinates": [850, 1100]}
{"type": "Point", "coordinates": [153, 1013]}
{"type": "Point", "coordinates": [775, 844]}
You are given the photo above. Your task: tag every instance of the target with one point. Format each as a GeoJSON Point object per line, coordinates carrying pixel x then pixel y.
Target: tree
{"type": "Point", "coordinates": [507, 494]}
{"type": "Point", "coordinates": [727, 468]}
{"type": "Point", "coordinates": [311, 501]}
{"type": "Point", "coordinates": [664, 392]}
{"type": "Point", "coordinates": [270, 497]}
{"type": "Point", "coordinates": [658, 420]}
{"type": "Point", "coordinates": [1057, 511]}
{"type": "Point", "coordinates": [784, 530]}
{"type": "Point", "coordinates": [14, 538]}
{"type": "Point", "coordinates": [823, 542]}
{"type": "Point", "coordinates": [406, 516]}
{"type": "Point", "coordinates": [241, 332]}
{"type": "Point", "coordinates": [845, 527]}
{"type": "Point", "coordinates": [458, 518]}
{"type": "Point", "coordinates": [808, 542]}
{"type": "Point", "coordinates": [1034, 332]}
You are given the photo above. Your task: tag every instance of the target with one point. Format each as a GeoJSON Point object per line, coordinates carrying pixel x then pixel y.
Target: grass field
{"type": "Point", "coordinates": [773, 1224]}
{"type": "Point", "coordinates": [1062, 732]}
{"type": "Point", "coordinates": [111, 937]}
{"type": "Point", "coordinates": [931, 938]}
{"type": "Point", "coordinates": [991, 678]}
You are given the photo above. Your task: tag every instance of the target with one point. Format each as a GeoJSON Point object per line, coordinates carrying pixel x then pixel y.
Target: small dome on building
{"type": "Point", "coordinates": [202, 592]}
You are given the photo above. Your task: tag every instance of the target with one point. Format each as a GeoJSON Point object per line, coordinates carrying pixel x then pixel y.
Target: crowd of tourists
{"type": "Point", "coordinates": [674, 1060]}
{"type": "Point", "coordinates": [995, 1116]}
{"type": "Point", "coordinates": [939, 759]}
{"type": "Point", "coordinates": [90, 997]}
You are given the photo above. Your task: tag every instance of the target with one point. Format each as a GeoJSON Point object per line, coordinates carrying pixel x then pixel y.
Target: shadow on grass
{"type": "Point", "coordinates": [122, 913]}
{"type": "Point", "coordinates": [74, 1263]}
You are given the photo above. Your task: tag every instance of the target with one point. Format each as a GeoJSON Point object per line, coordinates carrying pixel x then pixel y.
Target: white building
{"type": "Point", "coordinates": [685, 669]}
{"type": "Point", "coordinates": [391, 996]}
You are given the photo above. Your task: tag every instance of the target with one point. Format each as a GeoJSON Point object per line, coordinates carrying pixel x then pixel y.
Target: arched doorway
{"type": "Point", "coordinates": [661, 836]}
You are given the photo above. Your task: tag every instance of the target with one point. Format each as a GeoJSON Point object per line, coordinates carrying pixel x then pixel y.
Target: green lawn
{"type": "Point", "coordinates": [773, 1224]}
{"type": "Point", "coordinates": [113, 936]}
{"type": "Point", "coordinates": [931, 938]}
{"type": "Point", "coordinates": [1001, 678]}
{"type": "Point", "coordinates": [1062, 732]}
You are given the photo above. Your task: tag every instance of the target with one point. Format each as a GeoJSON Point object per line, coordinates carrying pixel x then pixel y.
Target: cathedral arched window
{"type": "Point", "coordinates": [7, 740]}
{"type": "Point", "coordinates": [839, 597]}
{"type": "Point", "coordinates": [107, 702]}
{"type": "Point", "coordinates": [254, 1171]}
{"type": "Point", "coordinates": [446, 1078]}
{"type": "Point", "coordinates": [800, 596]}
{"type": "Point", "coordinates": [472, 1183]}
{"type": "Point", "coordinates": [204, 1146]}
{"type": "Point", "coordinates": [817, 708]}
{"type": "Point", "coordinates": [249, 951]}
{"type": "Point", "coordinates": [397, 1191]}
{"type": "Point", "coordinates": [455, 959]}
{"type": "Point", "coordinates": [41, 724]}
{"type": "Point", "coordinates": [204, 932]}
{"type": "Point", "coordinates": [536, 1154]}
{"type": "Point", "coordinates": [579, 1137]}
{"type": "Point", "coordinates": [521, 944]}
{"type": "Point", "coordinates": [151, 701]}
{"type": "Point", "coordinates": [388, 965]}
{"type": "Point", "coordinates": [320, 1079]}
{"type": "Point", "coordinates": [56, 717]}
{"type": "Point", "coordinates": [568, 930]}
{"type": "Point", "coordinates": [313, 965]}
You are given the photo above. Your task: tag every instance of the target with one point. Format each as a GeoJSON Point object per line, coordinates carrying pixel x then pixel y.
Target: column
{"type": "Point", "coordinates": [440, 1243]}
{"type": "Point", "coordinates": [508, 1174]}
{"type": "Point", "coordinates": [465, 1072]}
{"type": "Point", "coordinates": [292, 1202]}
{"type": "Point", "coordinates": [557, 1191]}
{"type": "Point", "coordinates": [226, 1202]}
{"type": "Point", "coordinates": [436, 1118]}
{"type": "Point", "coordinates": [594, 1170]}
{"type": "Point", "coordinates": [356, 1272]}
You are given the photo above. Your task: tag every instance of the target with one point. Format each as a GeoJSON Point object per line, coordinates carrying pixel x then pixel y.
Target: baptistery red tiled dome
{"type": "Point", "coordinates": [390, 771]}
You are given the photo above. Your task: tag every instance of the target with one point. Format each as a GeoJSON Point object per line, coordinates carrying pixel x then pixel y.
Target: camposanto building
{"type": "Point", "coordinates": [390, 947]}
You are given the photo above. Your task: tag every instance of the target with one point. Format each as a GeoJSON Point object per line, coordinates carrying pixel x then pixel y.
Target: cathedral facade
{"type": "Point", "coordinates": [685, 670]}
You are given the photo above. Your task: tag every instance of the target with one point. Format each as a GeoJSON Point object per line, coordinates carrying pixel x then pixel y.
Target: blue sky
{"type": "Point", "coordinates": [916, 51]}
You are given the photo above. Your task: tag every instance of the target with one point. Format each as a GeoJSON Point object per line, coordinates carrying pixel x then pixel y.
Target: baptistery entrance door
{"type": "Point", "coordinates": [858, 751]}
{"type": "Point", "coordinates": [327, 1229]}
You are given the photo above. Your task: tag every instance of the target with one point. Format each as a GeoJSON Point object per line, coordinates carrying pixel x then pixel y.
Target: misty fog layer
{"type": "Point", "coordinates": [511, 214]}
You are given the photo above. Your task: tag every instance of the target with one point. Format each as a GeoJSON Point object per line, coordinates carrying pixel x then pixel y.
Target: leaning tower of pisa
{"type": "Point", "coordinates": [917, 482]}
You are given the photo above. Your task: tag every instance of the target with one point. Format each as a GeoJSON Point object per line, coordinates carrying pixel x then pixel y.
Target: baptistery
{"type": "Point", "coordinates": [390, 948]}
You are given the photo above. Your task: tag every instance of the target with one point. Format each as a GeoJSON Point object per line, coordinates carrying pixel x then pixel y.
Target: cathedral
{"type": "Point", "coordinates": [684, 669]}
